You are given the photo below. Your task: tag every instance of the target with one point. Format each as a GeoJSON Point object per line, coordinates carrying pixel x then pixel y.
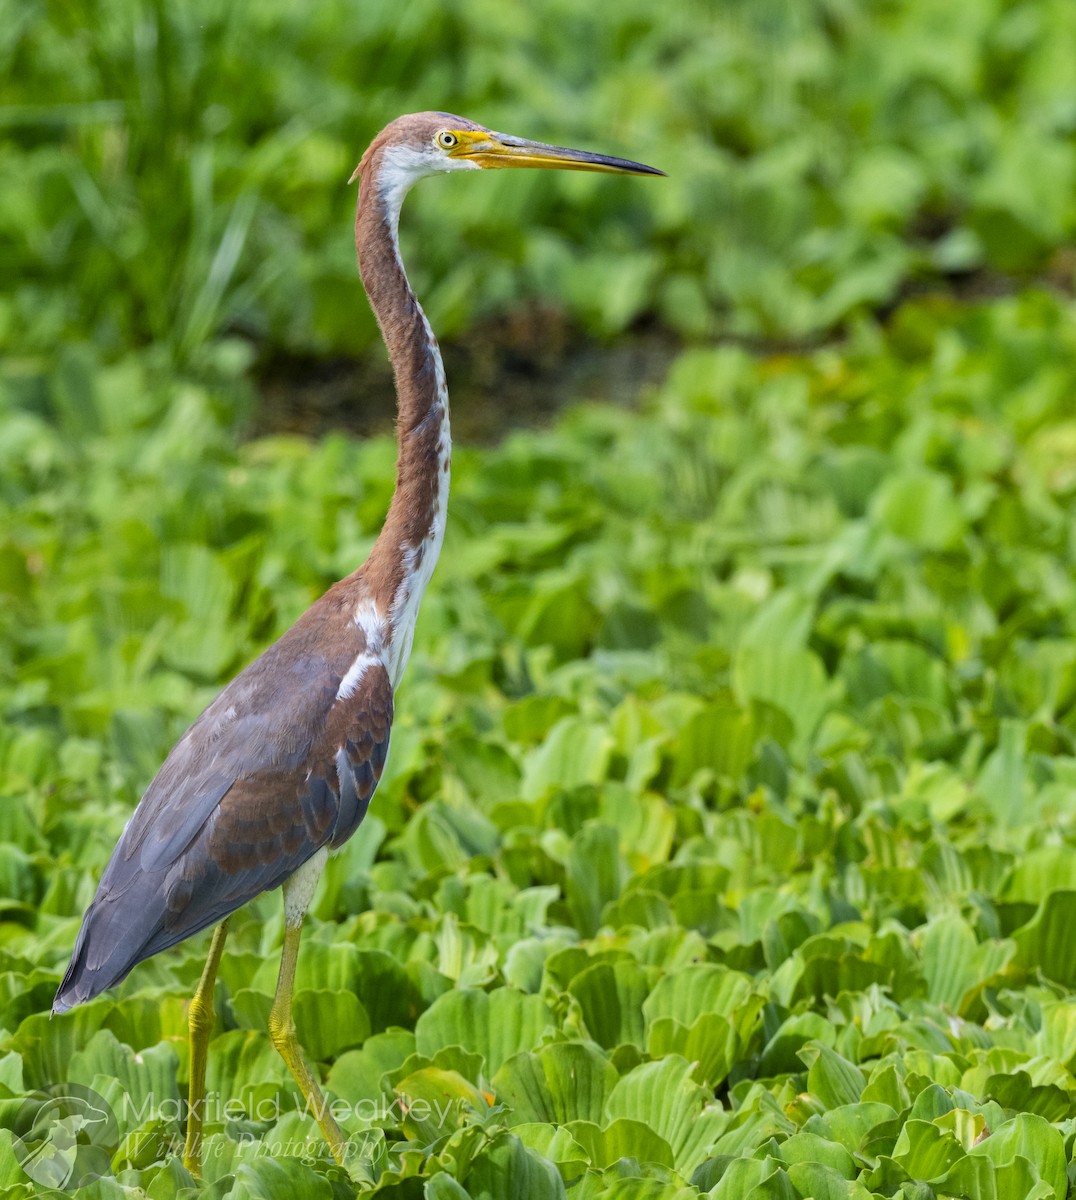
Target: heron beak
{"type": "Point", "coordinates": [487, 149]}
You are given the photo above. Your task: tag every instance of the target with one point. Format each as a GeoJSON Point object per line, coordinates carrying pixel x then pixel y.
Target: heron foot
{"type": "Point", "coordinates": [200, 1019]}
{"type": "Point", "coordinates": [284, 1038]}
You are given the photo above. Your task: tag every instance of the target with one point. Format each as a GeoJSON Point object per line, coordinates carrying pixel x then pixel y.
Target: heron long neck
{"type": "Point", "coordinates": [403, 557]}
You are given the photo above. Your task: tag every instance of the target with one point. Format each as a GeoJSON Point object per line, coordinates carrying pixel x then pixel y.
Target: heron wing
{"type": "Point", "coordinates": [281, 764]}
{"type": "Point", "coordinates": [271, 821]}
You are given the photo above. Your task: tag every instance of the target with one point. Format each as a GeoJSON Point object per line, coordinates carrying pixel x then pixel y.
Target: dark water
{"type": "Point", "coordinates": [517, 372]}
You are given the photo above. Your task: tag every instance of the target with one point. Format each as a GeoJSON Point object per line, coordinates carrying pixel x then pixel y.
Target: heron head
{"type": "Point", "coordinates": [421, 144]}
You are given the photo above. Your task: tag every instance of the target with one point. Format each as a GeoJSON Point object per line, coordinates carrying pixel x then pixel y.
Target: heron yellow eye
{"type": "Point", "coordinates": [446, 140]}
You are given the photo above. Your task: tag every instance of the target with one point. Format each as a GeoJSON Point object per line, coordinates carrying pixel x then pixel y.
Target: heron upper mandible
{"type": "Point", "coordinates": [278, 771]}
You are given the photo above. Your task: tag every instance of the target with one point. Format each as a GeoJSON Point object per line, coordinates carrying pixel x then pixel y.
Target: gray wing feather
{"type": "Point", "coordinates": [275, 768]}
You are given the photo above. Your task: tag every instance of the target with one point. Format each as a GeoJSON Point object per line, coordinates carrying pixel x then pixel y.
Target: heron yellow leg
{"type": "Point", "coordinates": [200, 1019]}
{"type": "Point", "coordinates": [282, 1032]}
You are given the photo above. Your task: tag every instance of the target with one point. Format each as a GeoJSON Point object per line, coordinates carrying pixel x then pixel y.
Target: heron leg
{"type": "Point", "coordinates": [282, 1032]}
{"type": "Point", "coordinates": [200, 1020]}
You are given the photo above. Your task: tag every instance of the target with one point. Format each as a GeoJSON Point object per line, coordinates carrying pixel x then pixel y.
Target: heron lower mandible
{"type": "Point", "coordinates": [278, 771]}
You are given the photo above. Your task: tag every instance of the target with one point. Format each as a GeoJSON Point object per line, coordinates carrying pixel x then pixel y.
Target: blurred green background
{"type": "Point", "coordinates": [174, 173]}
{"type": "Point", "coordinates": [740, 734]}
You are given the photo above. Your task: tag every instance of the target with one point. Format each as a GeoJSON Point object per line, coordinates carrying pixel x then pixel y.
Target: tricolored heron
{"type": "Point", "coordinates": [279, 770]}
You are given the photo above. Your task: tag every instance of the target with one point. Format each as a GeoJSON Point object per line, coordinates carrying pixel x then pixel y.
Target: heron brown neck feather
{"type": "Point", "coordinates": [415, 518]}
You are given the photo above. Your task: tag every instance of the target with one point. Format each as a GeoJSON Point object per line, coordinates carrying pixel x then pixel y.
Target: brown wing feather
{"type": "Point", "coordinates": [269, 823]}
{"type": "Point", "coordinates": [278, 766]}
